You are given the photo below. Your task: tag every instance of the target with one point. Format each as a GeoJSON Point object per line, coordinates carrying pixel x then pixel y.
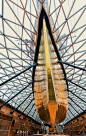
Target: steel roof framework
{"type": "Point", "coordinates": [17, 48]}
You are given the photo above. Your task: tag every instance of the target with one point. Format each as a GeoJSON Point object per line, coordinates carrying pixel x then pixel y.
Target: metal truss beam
{"type": "Point", "coordinates": [33, 112]}
{"type": "Point", "coordinates": [71, 112]}
{"type": "Point", "coordinates": [74, 108]}
{"type": "Point", "coordinates": [16, 94]}
{"type": "Point", "coordinates": [79, 114]}
{"type": "Point", "coordinates": [31, 108]}
{"type": "Point", "coordinates": [72, 65]}
{"type": "Point", "coordinates": [75, 84]}
{"type": "Point", "coordinates": [69, 116]}
{"type": "Point", "coordinates": [18, 74]}
{"type": "Point", "coordinates": [76, 103]}
{"type": "Point", "coordinates": [77, 96]}
{"type": "Point", "coordinates": [26, 107]}
{"type": "Point", "coordinates": [20, 112]}
{"type": "Point", "coordinates": [21, 103]}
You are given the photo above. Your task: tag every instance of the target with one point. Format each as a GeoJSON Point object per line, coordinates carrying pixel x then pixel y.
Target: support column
{"type": "Point", "coordinates": [11, 128]}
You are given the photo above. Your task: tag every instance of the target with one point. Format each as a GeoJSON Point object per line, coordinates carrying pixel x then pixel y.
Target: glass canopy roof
{"type": "Point", "coordinates": [18, 35]}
